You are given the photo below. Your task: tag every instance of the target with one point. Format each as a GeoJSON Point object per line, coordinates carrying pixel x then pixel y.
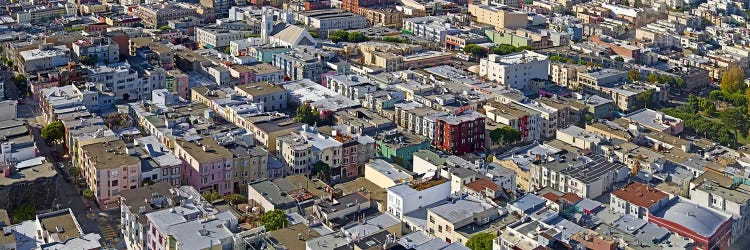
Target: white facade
{"type": "Point", "coordinates": [515, 70]}
{"type": "Point", "coordinates": [46, 57]}
{"type": "Point", "coordinates": [733, 202]}
{"type": "Point", "coordinates": [124, 82]}
{"type": "Point", "coordinates": [404, 199]}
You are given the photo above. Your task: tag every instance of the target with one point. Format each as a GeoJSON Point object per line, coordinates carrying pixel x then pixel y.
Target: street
{"type": "Point", "coordinates": [90, 218]}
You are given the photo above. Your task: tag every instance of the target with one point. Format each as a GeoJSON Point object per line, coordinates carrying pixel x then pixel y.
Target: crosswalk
{"type": "Point", "coordinates": [108, 233]}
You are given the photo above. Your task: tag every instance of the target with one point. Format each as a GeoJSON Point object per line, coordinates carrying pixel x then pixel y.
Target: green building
{"type": "Point", "coordinates": [400, 147]}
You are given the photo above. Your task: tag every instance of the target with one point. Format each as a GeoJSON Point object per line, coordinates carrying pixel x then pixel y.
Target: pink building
{"type": "Point", "coordinates": [178, 83]}
{"type": "Point", "coordinates": [110, 168]}
{"type": "Point", "coordinates": [242, 73]}
{"type": "Point", "coordinates": [205, 164]}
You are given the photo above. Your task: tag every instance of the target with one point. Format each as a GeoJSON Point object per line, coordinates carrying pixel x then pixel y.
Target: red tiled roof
{"type": "Point", "coordinates": [639, 194]}
{"type": "Point", "coordinates": [481, 184]}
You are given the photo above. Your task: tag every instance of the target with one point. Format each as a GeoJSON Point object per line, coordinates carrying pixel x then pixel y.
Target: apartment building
{"type": "Point", "coordinates": [499, 18]}
{"type": "Point", "coordinates": [45, 57]}
{"type": "Point", "coordinates": [217, 38]}
{"type": "Point", "coordinates": [272, 96]}
{"type": "Point", "coordinates": [721, 193]}
{"type": "Point", "coordinates": [461, 133]}
{"type": "Point", "coordinates": [388, 17]}
{"type": "Point", "coordinates": [207, 166]}
{"type": "Point", "coordinates": [432, 28]}
{"type": "Point", "coordinates": [565, 74]}
{"type": "Point", "coordinates": [135, 203]}
{"type": "Point", "coordinates": [526, 121]}
{"type": "Point", "coordinates": [444, 221]}
{"type": "Point", "coordinates": [352, 86]}
{"type": "Point", "coordinates": [299, 64]}
{"type": "Point", "coordinates": [407, 197]}
{"type": "Point", "coordinates": [589, 176]}
{"type": "Point", "coordinates": [41, 14]}
{"type": "Point", "coordinates": [331, 19]}
{"type": "Point", "coordinates": [124, 81]}
{"type": "Point", "coordinates": [302, 149]}
{"type": "Point", "coordinates": [102, 49]}
{"type": "Point", "coordinates": [657, 121]}
{"type": "Point", "coordinates": [638, 199]}
{"type": "Point", "coordinates": [515, 70]}
{"type": "Point", "coordinates": [158, 14]}
{"type": "Point", "coordinates": [110, 167]}
{"type": "Point", "coordinates": [250, 162]}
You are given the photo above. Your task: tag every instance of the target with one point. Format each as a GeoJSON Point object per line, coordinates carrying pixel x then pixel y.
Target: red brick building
{"type": "Point", "coordinates": [460, 134]}
{"type": "Point", "coordinates": [709, 228]}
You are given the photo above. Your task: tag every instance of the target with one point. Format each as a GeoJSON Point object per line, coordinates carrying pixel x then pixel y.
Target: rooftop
{"type": "Point", "coordinates": [701, 220]}
{"type": "Point", "coordinates": [461, 209]}
{"type": "Point", "coordinates": [109, 155]}
{"type": "Point", "coordinates": [204, 150]}
{"type": "Point", "coordinates": [259, 88]}
{"type": "Point", "coordinates": [526, 56]}
{"type": "Point", "coordinates": [641, 195]}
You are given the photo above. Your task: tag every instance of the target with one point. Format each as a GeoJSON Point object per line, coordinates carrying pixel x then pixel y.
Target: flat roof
{"type": "Point", "coordinates": [62, 220]}
{"type": "Point", "coordinates": [213, 151]}
{"type": "Point", "coordinates": [109, 154]}
{"type": "Point", "coordinates": [260, 88]}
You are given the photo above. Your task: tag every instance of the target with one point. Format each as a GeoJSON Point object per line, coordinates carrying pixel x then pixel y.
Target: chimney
{"type": "Point", "coordinates": [205, 148]}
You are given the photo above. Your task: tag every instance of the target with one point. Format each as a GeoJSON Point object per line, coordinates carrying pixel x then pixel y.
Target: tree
{"type": "Point", "coordinates": [326, 118]}
{"type": "Point", "coordinates": [74, 171]}
{"type": "Point", "coordinates": [732, 80]}
{"type": "Point", "coordinates": [357, 37]}
{"type": "Point", "coordinates": [314, 34]}
{"type": "Point", "coordinates": [634, 75]}
{"type": "Point", "coordinates": [211, 195]}
{"type": "Point", "coordinates": [306, 114]}
{"type": "Point", "coordinates": [274, 220]}
{"type": "Point", "coordinates": [496, 135]}
{"type": "Point", "coordinates": [619, 59]}
{"type": "Point", "coordinates": [228, 50]}
{"type": "Point", "coordinates": [321, 170]}
{"type": "Point", "coordinates": [165, 28]}
{"type": "Point", "coordinates": [87, 60]}
{"type": "Point", "coordinates": [53, 131]}
{"type": "Point", "coordinates": [339, 36]}
{"type": "Point", "coordinates": [652, 78]}
{"type": "Point", "coordinates": [234, 198]}
{"type": "Point", "coordinates": [481, 241]}
{"type": "Point", "coordinates": [88, 193]}
{"type": "Point", "coordinates": [392, 39]}
{"type": "Point", "coordinates": [645, 98]}
{"type": "Point", "coordinates": [735, 119]}
{"type": "Point", "coordinates": [24, 212]}
{"type": "Point", "coordinates": [475, 50]}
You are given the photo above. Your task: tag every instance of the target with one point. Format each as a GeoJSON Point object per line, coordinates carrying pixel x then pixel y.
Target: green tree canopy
{"type": "Point", "coordinates": [274, 220]}
{"type": "Point", "coordinates": [357, 37]}
{"type": "Point", "coordinates": [53, 131]}
{"type": "Point", "coordinates": [634, 75]}
{"type": "Point", "coordinates": [306, 114]}
{"type": "Point", "coordinates": [234, 198]}
{"type": "Point", "coordinates": [88, 193]}
{"type": "Point", "coordinates": [24, 212]}
{"type": "Point", "coordinates": [321, 170]}
{"type": "Point", "coordinates": [475, 50]}
{"type": "Point", "coordinates": [735, 118]}
{"type": "Point", "coordinates": [211, 195]}
{"type": "Point", "coordinates": [481, 241]}
{"type": "Point", "coordinates": [505, 135]}
{"type": "Point", "coordinates": [653, 78]}
{"type": "Point", "coordinates": [393, 39]}
{"type": "Point", "coordinates": [645, 98]}
{"type": "Point", "coordinates": [732, 81]}
{"type": "Point", "coordinates": [619, 59]}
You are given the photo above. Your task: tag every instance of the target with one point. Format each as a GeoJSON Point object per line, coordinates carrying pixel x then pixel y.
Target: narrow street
{"type": "Point", "coordinates": [90, 218]}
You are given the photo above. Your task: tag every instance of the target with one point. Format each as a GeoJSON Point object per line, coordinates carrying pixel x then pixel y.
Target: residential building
{"type": "Point", "coordinates": [722, 193]}
{"type": "Point", "coordinates": [638, 199]}
{"type": "Point", "coordinates": [399, 147]}
{"type": "Point", "coordinates": [41, 14]}
{"type": "Point", "coordinates": [377, 16]}
{"type": "Point", "coordinates": [413, 195]}
{"type": "Point", "coordinates": [156, 15]}
{"type": "Point", "coordinates": [272, 96]}
{"type": "Point", "coordinates": [657, 121]}
{"type": "Point", "coordinates": [193, 224]}
{"type": "Point", "coordinates": [217, 38]}
{"type": "Point", "coordinates": [589, 176]}
{"type": "Point", "coordinates": [110, 167]}
{"type": "Point", "coordinates": [384, 174]}
{"type": "Point", "coordinates": [526, 121]}
{"type": "Point", "coordinates": [267, 132]}
{"type": "Point", "coordinates": [101, 49]}
{"type": "Point", "coordinates": [515, 70]}
{"type": "Point", "coordinates": [461, 133]}
{"type": "Point", "coordinates": [334, 212]}
{"type": "Point", "coordinates": [499, 18]}
{"type": "Point", "coordinates": [352, 86]}
{"type": "Point", "coordinates": [444, 221]}
{"type": "Point", "coordinates": [299, 64]}
{"type": "Point", "coordinates": [207, 166]}
{"type": "Point", "coordinates": [331, 19]}
{"type": "Point", "coordinates": [158, 164]}
{"type": "Point", "coordinates": [220, 7]}
{"type": "Point", "coordinates": [432, 28]}
{"type": "Point", "coordinates": [135, 204]}
{"type": "Point", "coordinates": [46, 57]}
{"type": "Point", "coordinates": [304, 148]}
{"type": "Point", "coordinates": [53, 230]}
